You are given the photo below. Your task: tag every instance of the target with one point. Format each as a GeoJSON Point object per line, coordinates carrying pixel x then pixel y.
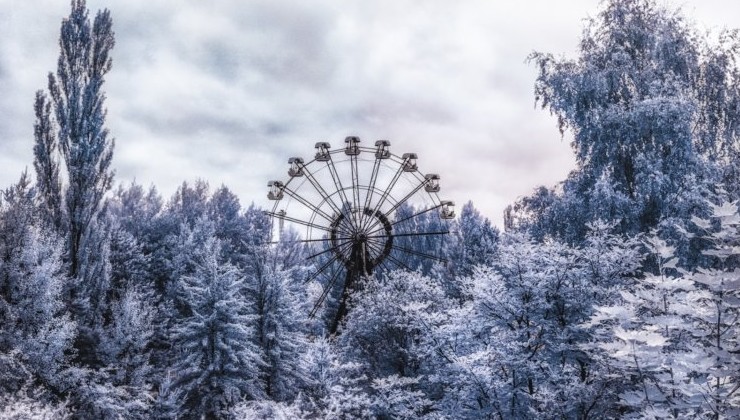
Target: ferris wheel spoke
{"type": "Point", "coordinates": [384, 265]}
{"type": "Point", "coordinates": [324, 195]}
{"type": "Point", "coordinates": [324, 293]}
{"type": "Point", "coordinates": [338, 184]}
{"type": "Point", "coordinates": [409, 195]}
{"type": "Point", "coordinates": [388, 190]}
{"type": "Point", "coordinates": [321, 270]}
{"type": "Point", "coordinates": [444, 232]}
{"type": "Point", "coordinates": [375, 246]}
{"type": "Point", "coordinates": [299, 221]}
{"type": "Point", "coordinates": [357, 214]}
{"type": "Point", "coordinates": [348, 240]}
{"type": "Point", "coordinates": [401, 201]}
{"type": "Point", "coordinates": [370, 191]}
{"type": "Point", "coordinates": [300, 241]}
{"type": "Point", "coordinates": [418, 253]}
{"type": "Point", "coordinates": [345, 228]}
{"type": "Point", "coordinates": [398, 263]}
{"type": "Point", "coordinates": [407, 218]}
{"type": "Point", "coordinates": [308, 204]}
{"type": "Point", "coordinates": [380, 250]}
{"type": "Point", "coordinates": [345, 249]}
{"type": "Point", "coordinates": [376, 239]}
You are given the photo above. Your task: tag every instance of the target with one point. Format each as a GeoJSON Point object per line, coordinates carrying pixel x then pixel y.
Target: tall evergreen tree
{"type": "Point", "coordinates": [281, 311]}
{"type": "Point", "coordinates": [33, 320]}
{"type": "Point", "coordinates": [478, 240]}
{"type": "Point", "coordinates": [216, 360]}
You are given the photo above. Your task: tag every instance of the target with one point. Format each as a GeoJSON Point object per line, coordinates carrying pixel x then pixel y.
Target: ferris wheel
{"type": "Point", "coordinates": [345, 203]}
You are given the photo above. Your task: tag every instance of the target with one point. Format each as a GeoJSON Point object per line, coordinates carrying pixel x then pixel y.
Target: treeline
{"type": "Point", "coordinates": [615, 294]}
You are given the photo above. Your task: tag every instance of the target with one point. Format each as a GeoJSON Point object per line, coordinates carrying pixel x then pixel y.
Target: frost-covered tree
{"type": "Point", "coordinates": [281, 310]}
{"type": "Point", "coordinates": [125, 348]}
{"type": "Point", "coordinates": [387, 347]}
{"type": "Point", "coordinates": [514, 348]}
{"type": "Point", "coordinates": [646, 100]}
{"type": "Point", "coordinates": [266, 409]}
{"type": "Point", "coordinates": [40, 324]}
{"type": "Point", "coordinates": [35, 329]}
{"type": "Point", "coordinates": [636, 335]}
{"type": "Point", "coordinates": [714, 308]}
{"type": "Point", "coordinates": [477, 242]}
{"type": "Point", "coordinates": [79, 109]}
{"type": "Point", "coordinates": [190, 203]}
{"type": "Point", "coordinates": [232, 228]}
{"type": "Point", "coordinates": [46, 163]}
{"type": "Point", "coordinates": [319, 358]}
{"type": "Point", "coordinates": [274, 286]}
{"type": "Point", "coordinates": [89, 292]}
{"type": "Point", "coordinates": [21, 406]}
{"type": "Point", "coordinates": [130, 265]}
{"type": "Point", "coordinates": [216, 360]}
{"type": "Point", "coordinates": [674, 335]}
{"type": "Point", "coordinates": [135, 210]}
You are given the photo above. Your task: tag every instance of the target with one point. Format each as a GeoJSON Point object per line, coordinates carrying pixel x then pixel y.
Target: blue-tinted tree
{"type": "Point", "coordinates": [217, 362]}
{"type": "Point", "coordinates": [647, 102]}
{"type": "Point", "coordinates": [477, 242]}
{"type": "Point", "coordinates": [46, 163]}
{"type": "Point", "coordinates": [35, 333]}
{"type": "Point", "coordinates": [79, 109]}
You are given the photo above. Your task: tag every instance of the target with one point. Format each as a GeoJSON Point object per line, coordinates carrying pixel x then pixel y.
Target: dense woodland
{"type": "Point", "coordinates": [614, 294]}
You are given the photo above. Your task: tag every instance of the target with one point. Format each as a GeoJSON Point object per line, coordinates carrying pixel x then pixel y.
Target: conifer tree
{"type": "Point", "coordinates": [34, 324]}
{"type": "Point", "coordinates": [216, 360]}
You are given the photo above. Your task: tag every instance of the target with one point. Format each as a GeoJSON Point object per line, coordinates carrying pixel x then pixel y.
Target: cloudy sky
{"type": "Point", "coordinates": [227, 90]}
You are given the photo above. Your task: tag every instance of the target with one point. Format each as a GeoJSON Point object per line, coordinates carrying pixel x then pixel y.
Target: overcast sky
{"type": "Point", "coordinates": [227, 90]}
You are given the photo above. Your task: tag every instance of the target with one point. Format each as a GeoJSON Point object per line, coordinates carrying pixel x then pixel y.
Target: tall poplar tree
{"type": "Point", "coordinates": [46, 162]}
{"type": "Point", "coordinates": [83, 140]}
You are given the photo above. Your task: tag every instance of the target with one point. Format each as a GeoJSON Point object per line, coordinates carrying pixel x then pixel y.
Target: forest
{"type": "Point", "coordinates": [613, 294]}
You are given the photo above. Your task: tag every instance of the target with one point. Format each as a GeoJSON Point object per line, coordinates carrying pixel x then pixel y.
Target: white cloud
{"type": "Point", "coordinates": [228, 90]}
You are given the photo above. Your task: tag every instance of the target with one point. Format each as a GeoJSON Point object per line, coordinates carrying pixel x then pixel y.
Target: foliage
{"type": "Point", "coordinates": [217, 362]}
{"type": "Point", "coordinates": [612, 295]}
{"type": "Point", "coordinates": [648, 102]}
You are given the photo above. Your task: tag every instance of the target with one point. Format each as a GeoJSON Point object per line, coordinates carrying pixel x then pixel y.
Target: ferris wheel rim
{"type": "Point", "coordinates": [358, 234]}
{"type": "Point", "coordinates": [343, 190]}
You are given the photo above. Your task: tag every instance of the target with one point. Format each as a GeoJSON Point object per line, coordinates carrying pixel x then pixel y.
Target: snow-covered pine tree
{"type": "Point", "coordinates": [135, 210]}
{"type": "Point", "coordinates": [125, 350]}
{"type": "Point", "coordinates": [35, 324]}
{"type": "Point", "coordinates": [231, 227]}
{"type": "Point", "coordinates": [282, 316]}
{"type": "Point", "coordinates": [216, 359]}
{"type": "Point", "coordinates": [478, 240]}
{"type": "Point", "coordinates": [190, 202]}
